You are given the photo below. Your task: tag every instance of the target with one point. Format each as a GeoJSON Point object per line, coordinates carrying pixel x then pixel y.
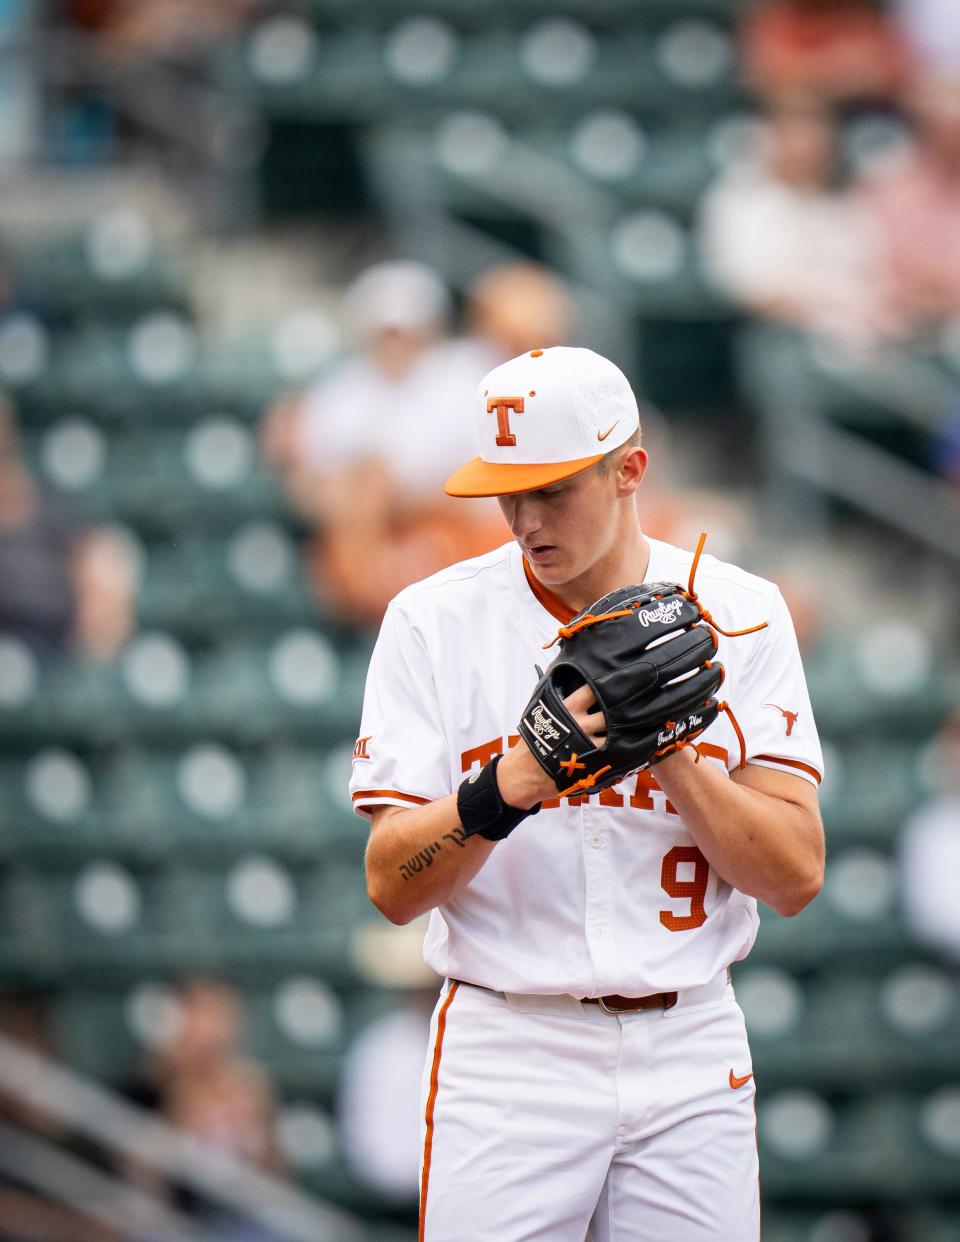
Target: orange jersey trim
{"type": "Point", "coordinates": [389, 793]}
{"type": "Point", "coordinates": [553, 603]}
{"type": "Point", "coordinates": [431, 1103]}
{"type": "Point", "coordinates": [790, 763]}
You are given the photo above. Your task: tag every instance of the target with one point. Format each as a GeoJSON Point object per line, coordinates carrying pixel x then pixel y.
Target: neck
{"type": "Point", "coordinates": [623, 564]}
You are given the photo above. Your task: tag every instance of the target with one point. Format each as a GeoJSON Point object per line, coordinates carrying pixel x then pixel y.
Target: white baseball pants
{"type": "Point", "coordinates": [543, 1118]}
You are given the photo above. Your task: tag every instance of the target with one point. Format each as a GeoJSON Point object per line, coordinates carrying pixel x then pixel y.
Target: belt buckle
{"type": "Point", "coordinates": [602, 1002]}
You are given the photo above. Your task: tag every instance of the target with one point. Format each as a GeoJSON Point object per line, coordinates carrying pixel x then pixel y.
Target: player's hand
{"type": "Point", "coordinates": [522, 781]}
{"type": "Point", "coordinates": [580, 705]}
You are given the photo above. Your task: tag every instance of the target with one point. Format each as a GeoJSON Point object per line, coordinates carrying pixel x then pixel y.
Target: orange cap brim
{"type": "Point", "coordinates": [486, 478]}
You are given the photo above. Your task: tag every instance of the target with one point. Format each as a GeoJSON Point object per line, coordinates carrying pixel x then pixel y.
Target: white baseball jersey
{"type": "Point", "coordinates": [596, 894]}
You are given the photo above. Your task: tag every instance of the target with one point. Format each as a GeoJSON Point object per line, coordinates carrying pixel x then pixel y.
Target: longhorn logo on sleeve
{"type": "Point", "coordinates": [790, 717]}
{"type": "Point", "coordinates": [666, 612]}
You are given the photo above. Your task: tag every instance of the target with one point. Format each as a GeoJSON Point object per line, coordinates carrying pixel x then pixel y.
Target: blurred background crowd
{"type": "Point", "coordinates": [254, 257]}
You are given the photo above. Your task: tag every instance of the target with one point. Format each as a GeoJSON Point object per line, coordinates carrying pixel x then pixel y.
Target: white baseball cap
{"type": "Point", "coordinates": [543, 417]}
{"type": "Point", "coordinates": [399, 294]}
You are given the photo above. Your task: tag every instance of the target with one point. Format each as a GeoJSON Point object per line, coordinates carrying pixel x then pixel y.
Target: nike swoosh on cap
{"type": "Point", "coordinates": [602, 435]}
{"type": "Point", "coordinates": [736, 1082]}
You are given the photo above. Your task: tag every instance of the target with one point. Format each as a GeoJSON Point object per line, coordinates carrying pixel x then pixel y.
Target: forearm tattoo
{"type": "Point", "coordinates": [424, 858]}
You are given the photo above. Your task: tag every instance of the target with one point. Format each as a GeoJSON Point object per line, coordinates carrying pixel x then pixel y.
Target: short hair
{"type": "Point", "coordinates": [635, 440]}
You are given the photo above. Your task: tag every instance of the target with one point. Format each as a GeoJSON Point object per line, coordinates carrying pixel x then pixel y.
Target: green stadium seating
{"type": "Point", "coordinates": [29, 941]}
{"type": "Point", "coordinates": [601, 13]}
{"type": "Point", "coordinates": [944, 1227]}
{"type": "Point", "coordinates": [191, 589]}
{"type": "Point", "coordinates": [298, 1032]}
{"type": "Point", "coordinates": [803, 1225]}
{"type": "Point", "coordinates": [856, 915]}
{"type": "Point", "coordinates": [93, 1030]}
{"type": "Point", "coordinates": [848, 688]}
{"type": "Point", "coordinates": [110, 272]}
{"type": "Point", "coordinates": [875, 787]}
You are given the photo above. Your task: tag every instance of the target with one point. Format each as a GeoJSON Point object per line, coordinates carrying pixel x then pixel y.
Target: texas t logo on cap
{"type": "Point", "coordinates": [543, 417]}
{"type": "Point", "coordinates": [503, 407]}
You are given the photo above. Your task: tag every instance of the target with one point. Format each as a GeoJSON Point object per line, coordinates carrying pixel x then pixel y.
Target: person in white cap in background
{"type": "Point", "coordinates": [588, 1065]}
{"type": "Point", "coordinates": [364, 451]}
{"type": "Point", "coordinates": [375, 403]}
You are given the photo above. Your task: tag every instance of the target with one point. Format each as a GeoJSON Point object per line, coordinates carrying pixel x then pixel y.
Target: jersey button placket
{"type": "Point", "coordinates": [599, 892]}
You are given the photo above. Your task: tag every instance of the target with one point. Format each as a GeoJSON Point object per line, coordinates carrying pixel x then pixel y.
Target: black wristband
{"type": "Point", "coordinates": [482, 809]}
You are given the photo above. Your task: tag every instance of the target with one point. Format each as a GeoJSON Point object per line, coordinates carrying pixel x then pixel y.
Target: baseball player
{"type": "Point", "coordinates": [588, 1065]}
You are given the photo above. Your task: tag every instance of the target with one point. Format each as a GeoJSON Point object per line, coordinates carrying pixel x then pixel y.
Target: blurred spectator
{"type": "Point", "coordinates": [203, 1047]}
{"type": "Point", "coordinates": [364, 452]}
{"type": "Point", "coordinates": [838, 50]}
{"type": "Point", "coordinates": [199, 1080]}
{"type": "Point", "coordinates": [513, 308]}
{"type": "Point", "coordinates": [230, 1108]}
{"type": "Point", "coordinates": [784, 239]}
{"type": "Point", "coordinates": [155, 28]}
{"type": "Point", "coordinates": [915, 202]}
{"type": "Point", "coordinates": [932, 32]}
{"type": "Point", "coordinates": [382, 400]}
{"type": "Point", "coordinates": [396, 315]}
{"type": "Point", "coordinates": [127, 38]}
{"type": "Point", "coordinates": [204, 1031]}
{"type": "Point", "coordinates": [62, 584]}
{"type": "Point", "coordinates": [930, 850]}
{"type": "Point", "coordinates": [379, 1106]}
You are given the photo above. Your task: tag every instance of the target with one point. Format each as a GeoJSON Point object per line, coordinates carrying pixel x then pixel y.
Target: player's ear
{"type": "Point", "coordinates": [632, 468]}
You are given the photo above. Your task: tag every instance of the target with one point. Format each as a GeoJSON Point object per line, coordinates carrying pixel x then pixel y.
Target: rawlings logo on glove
{"type": "Point", "coordinates": [542, 724]}
{"type": "Point", "coordinates": [666, 611]}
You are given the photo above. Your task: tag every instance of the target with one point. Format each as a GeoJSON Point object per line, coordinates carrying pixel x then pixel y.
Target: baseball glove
{"type": "Point", "coordinates": [647, 655]}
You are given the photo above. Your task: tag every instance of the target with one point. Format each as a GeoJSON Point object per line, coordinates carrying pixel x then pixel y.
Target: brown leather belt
{"type": "Point", "coordinates": [631, 1004]}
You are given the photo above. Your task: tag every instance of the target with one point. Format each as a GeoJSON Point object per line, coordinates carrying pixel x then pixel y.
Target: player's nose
{"type": "Point", "coordinates": [523, 516]}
